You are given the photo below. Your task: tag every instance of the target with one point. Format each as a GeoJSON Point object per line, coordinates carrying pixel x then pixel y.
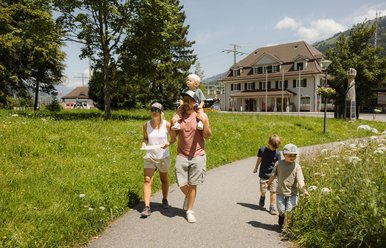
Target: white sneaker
{"type": "Point", "coordinates": [200, 125]}
{"type": "Point", "coordinates": [190, 216]}
{"type": "Point", "coordinates": [185, 205]}
{"type": "Point", "coordinates": [176, 126]}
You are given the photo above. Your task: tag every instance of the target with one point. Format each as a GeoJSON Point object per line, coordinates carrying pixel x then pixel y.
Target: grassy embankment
{"type": "Point", "coordinates": [64, 176]}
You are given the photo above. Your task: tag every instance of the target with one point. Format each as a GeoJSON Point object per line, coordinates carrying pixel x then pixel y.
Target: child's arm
{"type": "Point", "coordinates": [258, 161]}
{"type": "Point", "coordinates": [303, 188]}
{"type": "Point", "coordinates": [274, 175]}
{"type": "Point", "coordinates": [201, 105]}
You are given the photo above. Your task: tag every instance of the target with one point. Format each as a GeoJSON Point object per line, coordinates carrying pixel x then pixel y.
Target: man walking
{"type": "Point", "coordinates": [190, 168]}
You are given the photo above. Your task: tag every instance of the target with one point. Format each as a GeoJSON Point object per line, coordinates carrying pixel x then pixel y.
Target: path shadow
{"type": "Point", "coordinates": [270, 227]}
{"type": "Point", "coordinates": [252, 206]}
{"type": "Point", "coordinates": [171, 212]}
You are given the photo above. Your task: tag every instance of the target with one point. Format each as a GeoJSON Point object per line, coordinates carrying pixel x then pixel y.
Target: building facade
{"type": "Point", "coordinates": [281, 78]}
{"type": "Point", "coordinates": [78, 99]}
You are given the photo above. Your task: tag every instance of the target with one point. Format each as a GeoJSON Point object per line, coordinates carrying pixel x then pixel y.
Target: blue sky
{"type": "Point", "coordinates": [217, 24]}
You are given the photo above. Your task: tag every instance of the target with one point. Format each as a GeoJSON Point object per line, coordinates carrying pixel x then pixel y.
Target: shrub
{"type": "Point", "coordinates": [351, 213]}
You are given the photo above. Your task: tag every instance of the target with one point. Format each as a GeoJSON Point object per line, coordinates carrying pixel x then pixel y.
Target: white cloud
{"type": "Point", "coordinates": [320, 29]}
{"type": "Point", "coordinates": [371, 14]}
{"type": "Point", "coordinates": [287, 22]}
{"type": "Point", "coordinates": [317, 30]}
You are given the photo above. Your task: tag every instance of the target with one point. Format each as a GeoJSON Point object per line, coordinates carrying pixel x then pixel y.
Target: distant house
{"type": "Point", "coordinates": [78, 99]}
{"type": "Point", "coordinates": [276, 78]}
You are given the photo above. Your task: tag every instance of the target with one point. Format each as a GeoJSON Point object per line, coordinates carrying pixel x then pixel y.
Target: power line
{"type": "Point", "coordinates": [234, 51]}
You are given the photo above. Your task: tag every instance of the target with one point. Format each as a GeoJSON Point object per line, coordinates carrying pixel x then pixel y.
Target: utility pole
{"type": "Point", "coordinates": [234, 51]}
{"type": "Point", "coordinates": [82, 77]}
{"type": "Point", "coordinates": [377, 15]}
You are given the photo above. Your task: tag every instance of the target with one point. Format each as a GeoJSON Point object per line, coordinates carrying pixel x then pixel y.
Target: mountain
{"type": "Point", "coordinates": [323, 45]}
{"type": "Point", "coordinates": [213, 80]}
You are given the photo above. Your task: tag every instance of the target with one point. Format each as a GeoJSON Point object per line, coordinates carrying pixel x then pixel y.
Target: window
{"type": "Point", "coordinates": [285, 84]}
{"type": "Point", "coordinates": [236, 72]}
{"type": "Point", "coordinates": [294, 83]}
{"type": "Point", "coordinates": [260, 85]}
{"type": "Point", "coordinates": [299, 66]}
{"type": "Point", "coordinates": [304, 83]}
{"type": "Point", "coordinates": [231, 87]}
{"type": "Point", "coordinates": [277, 85]}
{"type": "Point", "coordinates": [250, 86]}
{"type": "Point", "coordinates": [238, 86]}
{"type": "Point", "coordinates": [269, 85]}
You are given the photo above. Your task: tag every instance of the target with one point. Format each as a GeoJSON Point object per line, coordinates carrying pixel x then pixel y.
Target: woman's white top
{"type": "Point", "coordinates": [157, 137]}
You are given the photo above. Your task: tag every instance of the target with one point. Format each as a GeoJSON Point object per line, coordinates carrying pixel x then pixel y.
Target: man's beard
{"type": "Point", "coordinates": [186, 107]}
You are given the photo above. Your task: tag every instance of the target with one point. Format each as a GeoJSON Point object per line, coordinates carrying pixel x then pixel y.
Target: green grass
{"type": "Point", "coordinates": [47, 160]}
{"type": "Point", "coordinates": [353, 213]}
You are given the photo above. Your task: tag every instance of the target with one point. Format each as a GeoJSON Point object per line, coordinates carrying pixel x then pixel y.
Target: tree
{"type": "Point", "coordinates": [156, 55]}
{"type": "Point", "coordinates": [30, 55]}
{"type": "Point", "coordinates": [356, 52]}
{"type": "Point", "coordinates": [100, 26]}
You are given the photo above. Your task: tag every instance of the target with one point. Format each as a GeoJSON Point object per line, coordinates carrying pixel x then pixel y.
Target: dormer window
{"type": "Point", "coordinates": [266, 69]}
{"type": "Point", "coordinates": [299, 66]}
{"type": "Point", "coordinates": [236, 72]}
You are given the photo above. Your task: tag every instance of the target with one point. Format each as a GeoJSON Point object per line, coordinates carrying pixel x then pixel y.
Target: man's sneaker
{"type": "Point", "coordinates": [176, 126]}
{"type": "Point", "coordinates": [262, 201]}
{"type": "Point", "coordinates": [200, 125]}
{"type": "Point", "coordinates": [185, 205]}
{"type": "Point", "coordinates": [281, 221]}
{"type": "Point", "coordinates": [146, 212]}
{"type": "Point", "coordinates": [272, 210]}
{"type": "Point", "coordinates": [190, 216]}
{"type": "Point", "coordinates": [165, 204]}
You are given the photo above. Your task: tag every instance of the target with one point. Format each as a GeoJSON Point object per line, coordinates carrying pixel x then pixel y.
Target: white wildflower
{"type": "Point", "coordinates": [378, 151]}
{"type": "Point", "coordinates": [317, 174]}
{"type": "Point", "coordinates": [326, 190]}
{"type": "Point", "coordinates": [364, 127]}
{"type": "Point", "coordinates": [373, 137]}
{"type": "Point", "coordinates": [102, 208]}
{"type": "Point", "coordinates": [352, 146]}
{"type": "Point", "coordinates": [15, 115]}
{"type": "Point", "coordinates": [90, 209]}
{"type": "Point", "coordinates": [82, 195]}
{"type": "Point", "coordinates": [311, 188]}
{"type": "Point", "coordinates": [324, 151]}
{"type": "Point", "coordinates": [353, 159]}
{"type": "Point", "coordinates": [374, 130]}
{"type": "Point", "coordinates": [362, 145]}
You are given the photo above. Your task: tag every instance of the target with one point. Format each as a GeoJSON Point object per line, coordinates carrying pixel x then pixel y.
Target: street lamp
{"type": "Point", "coordinates": [325, 64]}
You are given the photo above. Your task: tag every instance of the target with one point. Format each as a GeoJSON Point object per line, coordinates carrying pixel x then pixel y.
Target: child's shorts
{"type": "Point", "coordinates": [271, 188]}
{"type": "Point", "coordinates": [286, 203]}
{"type": "Point", "coordinates": [162, 164]}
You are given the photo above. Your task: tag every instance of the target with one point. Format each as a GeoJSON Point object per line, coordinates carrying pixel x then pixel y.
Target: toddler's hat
{"type": "Point", "coordinates": [290, 149]}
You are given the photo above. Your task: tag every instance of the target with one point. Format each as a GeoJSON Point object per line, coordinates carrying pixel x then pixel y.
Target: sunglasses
{"type": "Point", "coordinates": [156, 110]}
{"type": "Point", "coordinates": [292, 155]}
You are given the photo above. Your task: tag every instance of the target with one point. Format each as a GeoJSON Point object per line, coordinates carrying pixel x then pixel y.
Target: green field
{"type": "Point", "coordinates": [64, 176]}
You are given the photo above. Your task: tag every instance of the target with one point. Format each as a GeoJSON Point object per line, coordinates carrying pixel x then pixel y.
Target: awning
{"type": "Point", "coordinates": [255, 94]}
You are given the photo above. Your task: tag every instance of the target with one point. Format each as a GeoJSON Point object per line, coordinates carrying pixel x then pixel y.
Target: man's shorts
{"type": "Point", "coordinates": [190, 171]}
{"type": "Point", "coordinates": [272, 188]}
{"type": "Point", "coordinates": [162, 164]}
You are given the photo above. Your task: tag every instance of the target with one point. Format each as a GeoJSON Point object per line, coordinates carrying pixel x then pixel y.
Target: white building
{"type": "Point", "coordinates": [78, 99]}
{"type": "Point", "coordinates": [268, 80]}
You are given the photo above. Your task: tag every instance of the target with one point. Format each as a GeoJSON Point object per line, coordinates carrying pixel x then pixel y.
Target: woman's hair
{"type": "Point", "coordinates": [274, 141]}
{"type": "Point", "coordinates": [195, 78]}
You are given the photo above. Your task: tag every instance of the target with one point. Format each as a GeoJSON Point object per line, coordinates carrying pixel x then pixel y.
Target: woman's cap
{"type": "Point", "coordinates": [157, 105]}
{"type": "Point", "coordinates": [191, 94]}
{"type": "Point", "coordinates": [290, 149]}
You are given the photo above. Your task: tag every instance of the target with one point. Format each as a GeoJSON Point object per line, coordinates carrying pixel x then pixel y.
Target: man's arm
{"type": "Point", "coordinates": [206, 132]}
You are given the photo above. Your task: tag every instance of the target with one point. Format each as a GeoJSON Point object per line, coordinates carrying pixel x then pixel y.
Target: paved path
{"type": "Point", "coordinates": [226, 210]}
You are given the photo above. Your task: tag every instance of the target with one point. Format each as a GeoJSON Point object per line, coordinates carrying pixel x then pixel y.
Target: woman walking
{"type": "Point", "coordinates": [155, 142]}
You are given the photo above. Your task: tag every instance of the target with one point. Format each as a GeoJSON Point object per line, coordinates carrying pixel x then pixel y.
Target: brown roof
{"type": "Point", "coordinates": [77, 93]}
{"type": "Point", "coordinates": [284, 54]}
